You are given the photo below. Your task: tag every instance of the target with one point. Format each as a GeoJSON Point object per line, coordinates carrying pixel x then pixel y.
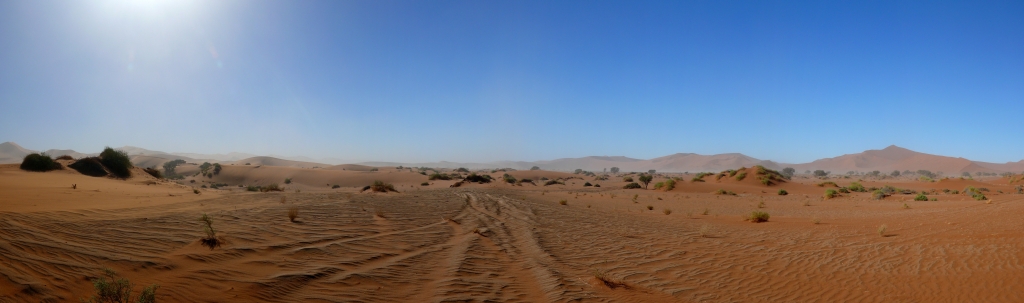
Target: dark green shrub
{"type": "Point", "coordinates": [425, 184]}
{"type": "Point", "coordinates": [473, 177]}
{"type": "Point", "coordinates": [336, 186]}
{"type": "Point", "coordinates": [154, 172]}
{"type": "Point", "coordinates": [117, 162]}
{"type": "Point", "coordinates": [462, 170]}
{"type": "Point", "coordinates": [553, 182]}
{"type": "Point", "coordinates": [921, 197]}
{"type": "Point", "coordinates": [117, 289]}
{"type": "Point", "coordinates": [843, 190]}
{"type": "Point", "coordinates": [741, 176]}
{"type": "Point", "coordinates": [288, 181]}
{"type": "Point", "coordinates": [252, 188]}
{"type": "Point", "coordinates": [627, 179]}
{"type": "Point", "coordinates": [508, 178]}
{"type": "Point", "coordinates": [828, 184]}
{"type": "Point", "coordinates": [40, 162]}
{"type": "Point", "coordinates": [646, 179]}
{"type": "Point", "coordinates": [783, 192]}
{"type": "Point", "coordinates": [65, 157]}
{"type": "Point", "coordinates": [699, 177]}
{"type": "Point", "coordinates": [878, 194]}
{"type": "Point", "coordinates": [857, 187]}
{"type": "Point", "coordinates": [89, 166]}
{"type": "Point", "coordinates": [587, 184]}
{"type": "Point", "coordinates": [632, 186]}
{"type": "Point", "coordinates": [365, 188]}
{"type": "Point", "coordinates": [597, 185]}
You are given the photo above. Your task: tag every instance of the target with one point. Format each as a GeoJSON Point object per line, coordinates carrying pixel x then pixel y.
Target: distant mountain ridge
{"type": "Point", "coordinates": [885, 160]}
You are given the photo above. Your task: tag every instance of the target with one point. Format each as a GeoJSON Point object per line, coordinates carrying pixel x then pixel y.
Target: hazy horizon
{"type": "Point", "coordinates": [458, 81]}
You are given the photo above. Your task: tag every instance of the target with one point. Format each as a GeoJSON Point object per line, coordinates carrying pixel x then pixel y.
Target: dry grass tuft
{"type": "Point", "coordinates": [607, 280]}
{"type": "Point", "coordinates": [667, 211]}
{"type": "Point", "coordinates": [882, 229]}
{"type": "Point", "coordinates": [705, 231]}
{"type": "Point", "coordinates": [815, 220]}
{"type": "Point", "coordinates": [380, 214]}
{"type": "Point", "coordinates": [650, 207]}
{"type": "Point", "coordinates": [293, 212]}
{"type": "Point", "coordinates": [706, 212]}
{"type": "Point", "coordinates": [758, 216]}
{"type": "Point", "coordinates": [563, 202]}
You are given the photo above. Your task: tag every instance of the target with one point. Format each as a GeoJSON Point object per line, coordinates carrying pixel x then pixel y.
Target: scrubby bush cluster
{"type": "Point", "coordinates": [632, 186]}
{"type": "Point", "coordinates": [976, 193]}
{"type": "Point", "coordinates": [667, 185]}
{"type": "Point", "coordinates": [382, 187]}
{"type": "Point", "coordinates": [114, 289]}
{"type": "Point", "coordinates": [725, 192]}
{"type": "Point", "coordinates": [783, 192]}
{"type": "Point", "coordinates": [473, 177]}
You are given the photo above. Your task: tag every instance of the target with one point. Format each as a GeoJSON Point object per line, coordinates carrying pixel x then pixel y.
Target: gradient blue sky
{"type": "Point", "coordinates": [408, 81]}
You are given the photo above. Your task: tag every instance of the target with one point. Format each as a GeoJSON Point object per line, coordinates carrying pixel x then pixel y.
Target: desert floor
{"type": "Point", "coordinates": [502, 243]}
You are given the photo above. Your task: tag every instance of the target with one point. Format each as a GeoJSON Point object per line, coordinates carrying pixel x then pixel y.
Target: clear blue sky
{"type": "Point", "coordinates": [411, 81]}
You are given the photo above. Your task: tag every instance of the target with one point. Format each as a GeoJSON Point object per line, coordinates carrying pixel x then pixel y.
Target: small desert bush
{"type": "Point", "coordinates": [210, 240]}
{"type": "Point", "coordinates": [843, 190]}
{"type": "Point", "coordinates": [758, 216]}
{"type": "Point", "coordinates": [857, 187]}
{"type": "Point", "coordinates": [921, 197]}
{"type": "Point", "coordinates": [907, 206]}
{"type": "Point", "coordinates": [425, 184]}
{"type": "Point", "coordinates": [741, 176]}
{"type": "Point", "coordinates": [381, 187]}
{"type": "Point", "coordinates": [632, 186]}
{"type": "Point", "coordinates": [65, 157]}
{"type": "Point", "coordinates": [669, 185]}
{"type": "Point", "coordinates": [650, 207]}
{"type": "Point", "coordinates": [288, 181]}
{"type": "Point", "coordinates": [553, 182]}
{"type": "Point", "coordinates": [117, 162]}
{"type": "Point", "coordinates": [725, 192]}
{"type": "Point", "coordinates": [153, 172]}
{"type": "Point", "coordinates": [293, 212]}
{"type": "Point", "coordinates": [827, 183]}
{"type": "Point", "coordinates": [667, 211]}
{"type": "Point", "coordinates": [118, 289]}
{"type": "Point", "coordinates": [783, 192]}
{"type": "Point", "coordinates": [271, 187]}
{"type": "Point", "coordinates": [882, 229]}
{"type": "Point", "coordinates": [563, 202]}
{"type": "Point", "coordinates": [831, 193]}
{"type": "Point", "coordinates": [473, 177]}
{"type": "Point", "coordinates": [39, 162]}
{"type": "Point", "coordinates": [438, 176]}
{"type": "Point", "coordinates": [705, 231]}
{"type": "Point", "coordinates": [878, 194]}
{"type": "Point", "coordinates": [627, 179]}
{"type": "Point", "coordinates": [587, 184]}
{"type": "Point", "coordinates": [252, 188]}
